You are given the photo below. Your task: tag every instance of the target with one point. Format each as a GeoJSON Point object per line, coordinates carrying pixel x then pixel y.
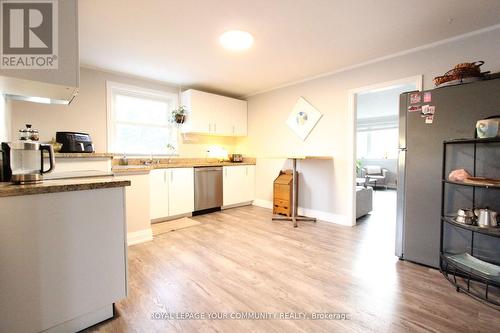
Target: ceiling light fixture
{"type": "Point", "coordinates": [236, 40]}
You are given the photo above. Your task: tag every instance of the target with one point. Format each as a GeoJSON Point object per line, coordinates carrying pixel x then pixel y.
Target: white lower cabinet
{"type": "Point", "coordinates": [238, 184]}
{"type": "Point", "coordinates": [158, 193]}
{"type": "Point", "coordinates": [137, 203]}
{"type": "Point", "coordinates": [171, 192]}
{"type": "Point", "coordinates": [180, 191]}
{"type": "Point", "coordinates": [63, 259]}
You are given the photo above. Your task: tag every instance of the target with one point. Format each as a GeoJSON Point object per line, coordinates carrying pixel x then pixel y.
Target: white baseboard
{"type": "Point", "coordinates": [263, 203]}
{"type": "Point", "coordinates": [84, 321]}
{"type": "Point", "coordinates": [320, 215]}
{"type": "Point", "coordinates": [170, 218]}
{"type": "Point", "coordinates": [325, 216]}
{"type": "Point", "coordinates": [140, 236]}
{"type": "Point", "coordinates": [241, 204]}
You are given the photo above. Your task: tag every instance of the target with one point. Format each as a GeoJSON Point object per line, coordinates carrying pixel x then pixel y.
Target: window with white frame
{"type": "Point", "coordinates": [139, 120]}
{"type": "Point", "coordinates": [377, 143]}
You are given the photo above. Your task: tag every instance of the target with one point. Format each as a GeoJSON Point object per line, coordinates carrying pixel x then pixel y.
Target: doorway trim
{"type": "Point", "coordinates": [351, 133]}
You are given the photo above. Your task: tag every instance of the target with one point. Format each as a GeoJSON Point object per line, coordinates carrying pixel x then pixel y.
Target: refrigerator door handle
{"type": "Point", "coordinates": [400, 215]}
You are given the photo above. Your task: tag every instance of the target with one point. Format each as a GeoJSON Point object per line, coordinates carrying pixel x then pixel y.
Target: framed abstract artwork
{"type": "Point", "coordinates": [303, 118]}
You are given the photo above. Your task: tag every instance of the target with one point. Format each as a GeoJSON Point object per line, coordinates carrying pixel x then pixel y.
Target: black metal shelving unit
{"type": "Point", "coordinates": [464, 265]}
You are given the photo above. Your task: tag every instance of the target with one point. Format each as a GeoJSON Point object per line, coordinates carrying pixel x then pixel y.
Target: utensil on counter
{"type": "Point", "coordinates": [28, 133]}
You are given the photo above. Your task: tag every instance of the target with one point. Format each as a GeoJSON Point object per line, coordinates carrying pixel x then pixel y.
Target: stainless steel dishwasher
{"type": "Point", "coordinates": [207, 189]}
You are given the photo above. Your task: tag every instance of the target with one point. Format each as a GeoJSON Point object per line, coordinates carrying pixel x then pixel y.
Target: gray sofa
{"type": "Point", "coordinates": [364, 200]}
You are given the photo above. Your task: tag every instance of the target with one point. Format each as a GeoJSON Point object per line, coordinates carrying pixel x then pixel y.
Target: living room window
{"type": "Point", "coordinates": [377, 143]}
{"type": "Point", "coordinates": [139, 120]}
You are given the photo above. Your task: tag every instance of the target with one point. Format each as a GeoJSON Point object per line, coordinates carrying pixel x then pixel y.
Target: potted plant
{"type": "Point", "coordinates": [179, 114]}
{"type": "Point", "coordinates": [358, 167]}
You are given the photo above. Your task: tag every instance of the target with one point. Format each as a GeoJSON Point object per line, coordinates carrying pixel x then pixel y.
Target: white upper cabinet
{"type": "Point", "coordinates": [201, 108]}
{"type": "Point", "coordinates": [59, 84]}
{"type": "Point", "coordinates": [214, 114]}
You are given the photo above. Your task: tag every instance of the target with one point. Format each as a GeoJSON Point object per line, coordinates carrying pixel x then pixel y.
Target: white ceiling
{"type": "Point", "coordinates": [177, 41]}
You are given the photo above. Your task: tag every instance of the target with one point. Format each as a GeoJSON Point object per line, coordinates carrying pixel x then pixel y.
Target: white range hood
{"type": "Point", "coordinates": [36, 91]}
{"type": "Point", "coordinates": [56, 85]}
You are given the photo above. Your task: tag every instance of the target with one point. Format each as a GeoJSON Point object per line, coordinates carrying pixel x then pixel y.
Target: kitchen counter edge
{"type": "Point", "coordinates": [61, 185]}
{"type": "Point", "coordinates": [82, 155]}
{"type": "Point", "coordinates": [124, 169]}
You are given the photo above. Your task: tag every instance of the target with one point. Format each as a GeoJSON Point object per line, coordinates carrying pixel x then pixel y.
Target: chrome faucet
{"type": "Point", "coordinates": [150, 161]}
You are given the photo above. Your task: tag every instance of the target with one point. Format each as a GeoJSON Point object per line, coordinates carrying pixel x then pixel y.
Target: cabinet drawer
{"type": "Point", "coordinates": [282, 203]}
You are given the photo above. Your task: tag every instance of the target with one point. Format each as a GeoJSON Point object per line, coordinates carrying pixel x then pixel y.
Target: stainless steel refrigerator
{"type": "Point", "coordinates": [456, 110]}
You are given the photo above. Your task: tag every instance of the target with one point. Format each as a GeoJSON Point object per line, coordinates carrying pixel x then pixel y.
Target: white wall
{"type": "Point", "coordinates": [87, 113]}
{"type": "Point", "coordinates": [5, 119]}
{"type": "Point", "coordinates": [380, 103]}
{"type": "Point", "coordinates": [327, 185]}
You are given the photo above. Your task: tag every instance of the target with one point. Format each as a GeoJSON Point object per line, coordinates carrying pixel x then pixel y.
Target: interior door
{"type": "Point", "coordinates": [158, 193]}
{"type": "Point", "coordinates": [180, 191]}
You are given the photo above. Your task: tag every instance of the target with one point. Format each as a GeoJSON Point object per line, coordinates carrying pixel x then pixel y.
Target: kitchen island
{"type": "Point", "coordinates": [62, 253]}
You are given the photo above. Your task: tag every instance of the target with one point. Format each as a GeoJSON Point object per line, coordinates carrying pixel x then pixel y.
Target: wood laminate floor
{"type": "Point", "coordinates": [240, 260]}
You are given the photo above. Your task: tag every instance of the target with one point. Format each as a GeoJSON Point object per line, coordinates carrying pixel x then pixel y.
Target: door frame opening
{"type": "Point", "coordinates": [352, 134]}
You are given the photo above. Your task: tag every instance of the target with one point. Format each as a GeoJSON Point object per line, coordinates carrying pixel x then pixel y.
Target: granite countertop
{"type": "Point", "coordinates": [120, 169]}
{"type": "Point", "coordinates": [61, 185]}
{"type": "Point", "coordinates": [82, 155]}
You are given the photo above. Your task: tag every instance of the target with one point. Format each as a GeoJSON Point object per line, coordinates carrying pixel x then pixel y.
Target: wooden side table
{"type": "Point", "coordinates": [295, 193]}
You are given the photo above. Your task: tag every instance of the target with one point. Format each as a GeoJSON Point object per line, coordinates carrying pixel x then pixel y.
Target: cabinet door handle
{"type": "Point", "coordinates": [246, 171]}
{"type": "Point", "coordinates": [209, 128]}
{"type": "Point", "coordinates": [225, 172]}
{"type": "Point", "coordinates": [215, 128]}
{"type": "Point", "coordinates": [171, 176]}
{"type": "Point", "coordinates": [165, 176]}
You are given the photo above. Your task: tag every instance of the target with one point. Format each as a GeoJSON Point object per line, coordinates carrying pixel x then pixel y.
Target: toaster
{"type": "Point", "coordinates": [75, 142]}
{"type": "Point", "coordinates": [236, 158]}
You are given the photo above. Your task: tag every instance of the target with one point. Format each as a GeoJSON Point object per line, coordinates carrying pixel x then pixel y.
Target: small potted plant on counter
{"type": "Point", "coordinates": [179, 114]}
